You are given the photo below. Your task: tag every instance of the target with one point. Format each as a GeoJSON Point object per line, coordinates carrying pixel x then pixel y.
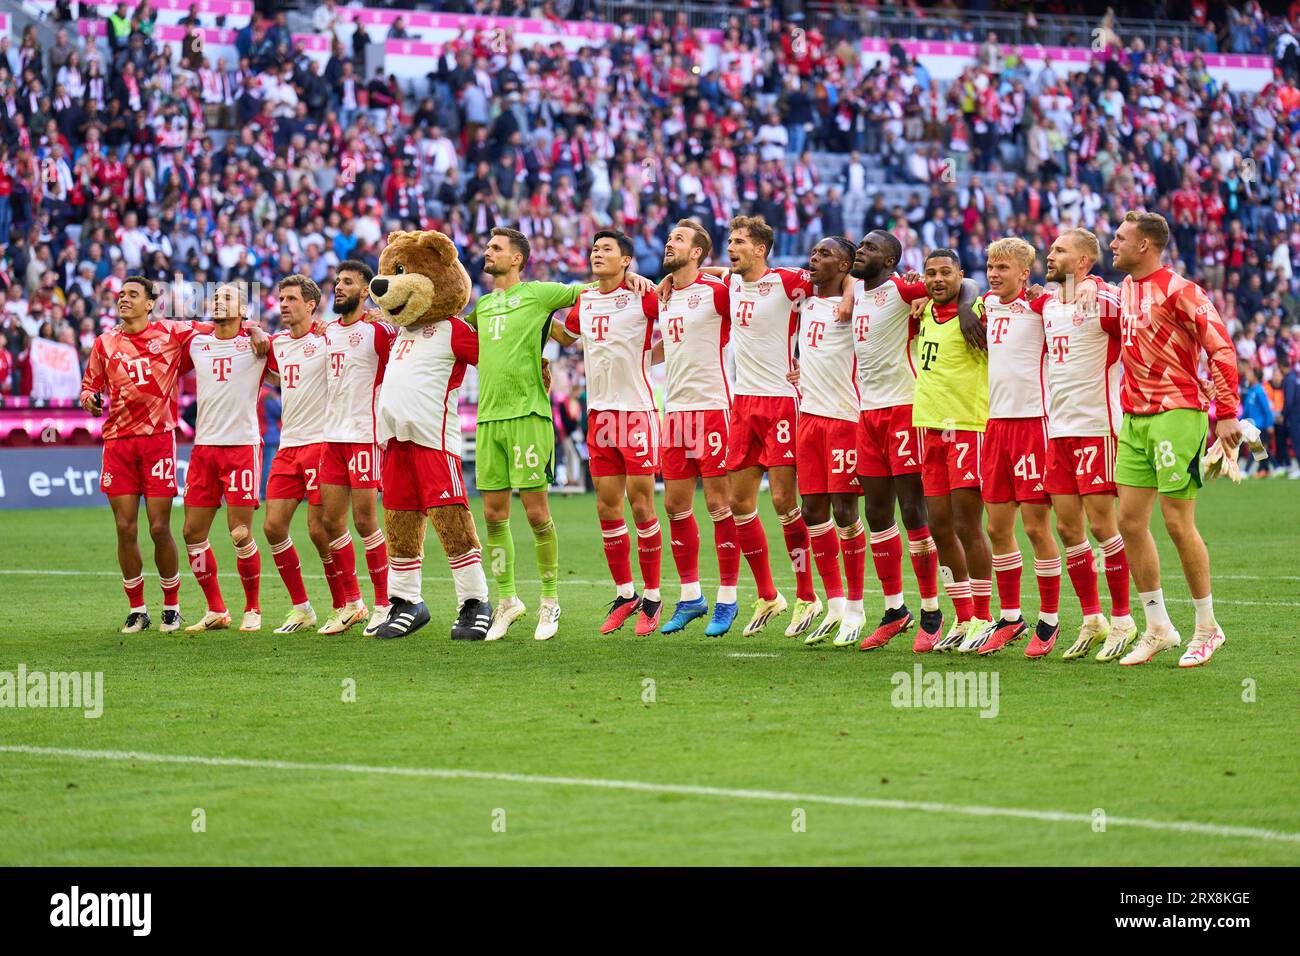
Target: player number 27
{"type": "Point", "coordinates": [1086, 457]}
{"type": "Point", "coordinates": [528, 459]}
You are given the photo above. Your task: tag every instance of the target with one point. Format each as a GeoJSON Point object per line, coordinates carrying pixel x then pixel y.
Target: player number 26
{"type": "Point", "coordinates": [526, 459]}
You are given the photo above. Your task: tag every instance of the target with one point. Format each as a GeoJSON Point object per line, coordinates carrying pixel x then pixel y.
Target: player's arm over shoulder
{"type": "Point", "coordinates": [570, 330]}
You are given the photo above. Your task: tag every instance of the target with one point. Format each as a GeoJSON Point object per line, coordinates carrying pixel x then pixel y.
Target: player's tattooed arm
{"type": "Point", "coordinates": [971, 326]}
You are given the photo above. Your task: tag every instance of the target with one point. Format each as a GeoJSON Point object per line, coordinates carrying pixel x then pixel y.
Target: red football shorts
{"type": "Point", "coordinates": [762, 431]}
{"type": "Point", "coordinates": [950, 460]}
{"type": "Point", "coordinates": [1014, 460]}
{"type": "Point", "coordinates": [352, 464]}
{"type": "Point", "coordinates": [694, 443]}
{"type": "Point", "coordinates": [1081, 466]}
{"type": "Point", "coordinates": [828, 456]}
{"type": "Point", "coordinates": [622, 443]}
{"type": "Point", "coordinates": [888, 444]}
{"type": "Point", "coordinates": [139, 465]}
{"type": "Point", "coordinates": [232, 472]}
{"type": "Point", "coordinates": [417, 478]}
{"type": "Point", "coordinates": [295, 474]}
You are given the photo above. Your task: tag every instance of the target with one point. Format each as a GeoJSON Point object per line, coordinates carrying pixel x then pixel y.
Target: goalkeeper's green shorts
{"type": "Point", "coordinates": [1163, 451]}
{"type": "Point", "coordinates": [514, 453]}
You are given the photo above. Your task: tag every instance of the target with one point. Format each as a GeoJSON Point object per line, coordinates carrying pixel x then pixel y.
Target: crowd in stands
{"type": "Point", "coordinates": [182, 168]}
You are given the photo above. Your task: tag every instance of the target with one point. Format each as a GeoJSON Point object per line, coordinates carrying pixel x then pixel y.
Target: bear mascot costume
{"type": "Point", "coordinates": [421, 287]}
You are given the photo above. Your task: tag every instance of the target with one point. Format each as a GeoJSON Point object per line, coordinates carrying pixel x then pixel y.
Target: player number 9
{"type": "Point", "coordinates": [715, 443]}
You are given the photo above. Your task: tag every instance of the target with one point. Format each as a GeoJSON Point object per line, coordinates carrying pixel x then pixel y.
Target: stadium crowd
{"type": "Point", "coordinates": [185, 168]}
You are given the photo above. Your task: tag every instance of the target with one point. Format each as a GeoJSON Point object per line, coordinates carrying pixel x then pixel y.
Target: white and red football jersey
{"type": "Point", "coordinates": [828, 379]}
{"type": "Point", "coordinates": [616, 329]}
{"type": "Point", "coordinates": [228, 377]}
{"type": "Point", "coordinates": [139, 374]}
{"type": "Point", "coordinates": [764, 326]}
{"type": "Point", "coordinates": [357, 354]}
{"type": "Point", "coordinates": [696, 325]}
{"type": "Point", "coordinates": [883, 333]}
{"type": "Point", "coordinates": [1017, 358]}
{"type": "Point", "coordinates": [420, 400]}
{"type": "Point", "coordinates": [302, 363]}
{"type": "Point", "coordinates": [1083, 366]}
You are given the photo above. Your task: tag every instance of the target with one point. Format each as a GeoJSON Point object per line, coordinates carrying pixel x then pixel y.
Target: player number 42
{"type": "Point", "coordinates": [163, 469]}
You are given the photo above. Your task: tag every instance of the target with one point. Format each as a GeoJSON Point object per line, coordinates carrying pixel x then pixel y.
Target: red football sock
{"type": "Point", "coordinates": [981, 593]}
{"type": "Point", "coordinates": [826, 552]}
{"type": "Point", "coordinates": [377, 565]}
{"type": "Point", "coordinates": [649, 550]}
{"type": "Point", "coordinates": [171, 589]}
{"type": "Point", "coordinates": [962, 605]}
{"type": "Point", "coordinates": [204, 565]}
{"type": "Point", "coordinates": [1082, 569]}
{"type": "Point", "coordinates": [134, 588]}
{"type": "Point", "coordinates": [1048, 573]}
{"type": "Point", "coordinates": [618, 551]}
{"type": "Point", "coordinates": [798, 545]}
{"type": "Point", "coordinates": [753, 545]}
{"type": "Point", "coordinates": [684, 536]}
{"type": "Point", "coordinates": [1006, 568]}
{"type": "Point", "coordinates": [1117, 575]}
{"type": "Point", "coordinates": [887, 555]}
{"type": "Point", "coordinates": [853, 542]}
{"type": "Point", "coordinates": [925, 562]}
{"type": "Point", "coordinates": [248, 561]}
{"type": "Point", "coordinates": [726, 541]}
{"type": "Point", "coordinates": [285, 556]}
{"type": "Point", "coordinates": [337, 600]}
{"type": "Point", "coordinates": [345, 566]}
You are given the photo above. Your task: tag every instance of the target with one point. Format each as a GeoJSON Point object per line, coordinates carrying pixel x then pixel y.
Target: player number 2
{"type": "Point", "coordinates": [902, 443]}
{"type": "Point", "coordinates": [1026, 468]}
{"type": "Point", "coordinates": [1086, 457]}
{"type": "Point", "coordinates": [162, 469]}
{"type": "Point", "coordinates": [311, 478]}
{"type": "Point", "coordinates": [783, 431]}
{"type": "Point", "coordinates": [245, 479]}
{"type": "Point", "coordinates": [527, 458]}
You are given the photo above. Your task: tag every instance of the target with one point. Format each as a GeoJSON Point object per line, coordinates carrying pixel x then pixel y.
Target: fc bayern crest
{"type": "Point", "coordinates": [513, 301]}
{"type": "Point", "coordinates": [620, 302]}
{"type": "Point", "coordinates": [354, 339]}
{"type": "Point", "coordinates": [1017, 308]}
{"type": "Point", "coordinates": [309, 350]}
{"type": "Point", "coordinates": [1078, 317]}
{"type": "Point", "coordinates": [241, 345]}
{"type": "Point", "coordinates": [881, 296]}
{"type": "Point", "coordinates": [693, 302]}
{"type": "Point", "coordinates": [155, 347]}
{"type": "Point", "coordinates": [430, 331]}
{"type": "Point", "coordinates": [764, 288]}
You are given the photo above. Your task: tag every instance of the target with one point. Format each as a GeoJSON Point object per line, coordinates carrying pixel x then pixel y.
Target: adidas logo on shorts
{"type": "Point", "coordinates": [910, 463]}
{"type": "Point", "coordinates": [968, 477]}
{"type": "Point", "coordinates": [789, 454]}
{"type": "Point", "coordinates": [1098, 480]}
{"type": "Point", "coordinates": [444, 495]}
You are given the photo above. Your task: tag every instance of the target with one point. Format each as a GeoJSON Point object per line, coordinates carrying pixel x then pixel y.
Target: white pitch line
{"type": "Point", "coordinates": [772, 796]}
{"type": "Point", "coordinates": [740, 654]}
{"type": "Point", "coordinates": [586, 582]}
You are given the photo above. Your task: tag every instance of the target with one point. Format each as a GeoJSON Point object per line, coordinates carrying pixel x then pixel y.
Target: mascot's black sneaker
{"type": "Point", "coordinates": [404, 617]}
{"type": "Point", "coordinates": [136, 622]}
{"type": "Point", "coordinates": [472, 624]}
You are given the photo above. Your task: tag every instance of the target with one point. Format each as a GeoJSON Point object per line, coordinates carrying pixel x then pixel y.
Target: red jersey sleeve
{"type": "Point", "coordinates": [797, 283]}
{"type": "Point", "coordinates": [1040, 303]}
{"type": "Point", "coordinates": [722, 302]}
{"type": "Point", "coordinates": [272, 364]}
{"type": "Point", "coordinates": [464, 341]}
{"type": "Point", "coordinates": [384, 336]}
{"type": "Point", "coordinates": [186, 360]}
{"type": "Point", "coordinates": [96, 377]}
{"type": "Point", "coordinates": [909, 291]}
{"type": "Point", "coordinates": [573, 321]}
{"type": "Point", "coordinates": [1108, 306]}
{"type": "Point", "coordinates": [1195, 307]}
{"type": "Point", "coordinates": [650, 309]}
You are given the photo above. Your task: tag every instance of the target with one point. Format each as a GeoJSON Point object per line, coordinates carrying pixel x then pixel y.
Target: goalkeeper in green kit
{"type": "Point", "coordinates": [515, 439]}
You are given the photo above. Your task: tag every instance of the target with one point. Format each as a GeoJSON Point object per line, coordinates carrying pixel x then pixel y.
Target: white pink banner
{"type": "Point", "coordinates": [56, 371]}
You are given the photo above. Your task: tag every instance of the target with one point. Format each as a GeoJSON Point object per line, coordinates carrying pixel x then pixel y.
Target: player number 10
{"type": "Point", "coordinates": [245, 480]}
{"type": "Point", "coordinates": [528, 459]}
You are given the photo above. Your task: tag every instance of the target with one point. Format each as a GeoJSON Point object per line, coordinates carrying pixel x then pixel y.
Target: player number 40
{"type": "Point", "coordinates": [526, 458]}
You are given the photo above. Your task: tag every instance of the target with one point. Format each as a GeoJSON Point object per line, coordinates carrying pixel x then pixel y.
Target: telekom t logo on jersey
{"type": "Point", "coordinates": [676, 327]}
{"type": "Point", "coordinates": [221, 367]}
{"type": "Point", "coordinates": [1060, 348]}
{"type": "Point", "coordinates": [138, 369]}
{"type": "Point", "coordinates": [816, 329]}
{"type": "Point", "coordinates": [336, 364]}
{"type": "Point", "coordinates": [599, 324]}
{"type": "Point", "coordinates": [1000, 326]}
{"type": "Point", "coordinates": [403, 347]}
{"type": "Point", "coordinates": [744, 312]}
{"type": "Point", "coordinates": [289, 375]}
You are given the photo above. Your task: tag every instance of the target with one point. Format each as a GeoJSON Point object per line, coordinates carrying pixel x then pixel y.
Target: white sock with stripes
{"type": "Point", "coordinates": [405, 579]}
{"type": "Point", "coordinates": [467, 575]}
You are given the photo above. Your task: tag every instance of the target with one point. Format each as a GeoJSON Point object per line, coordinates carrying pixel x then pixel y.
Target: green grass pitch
{"type": "Point", "coordinates": [752, 751]}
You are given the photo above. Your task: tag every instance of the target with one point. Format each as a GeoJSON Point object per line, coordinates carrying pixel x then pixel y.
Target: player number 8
{"type": "Point", "coordinates": [1165, 454]}
{"type": "Point", "coordinates": [783, 431]}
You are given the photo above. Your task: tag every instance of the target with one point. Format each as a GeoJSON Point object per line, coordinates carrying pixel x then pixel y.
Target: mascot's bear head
{"type": "Point", "coordinates": [420, 279]}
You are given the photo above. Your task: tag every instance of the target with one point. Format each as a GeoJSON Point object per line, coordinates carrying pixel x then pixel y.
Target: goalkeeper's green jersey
{"type": "Point", "coordinates": [952, 379]}
{"type": "Point", "coordinates": [513, 325]}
